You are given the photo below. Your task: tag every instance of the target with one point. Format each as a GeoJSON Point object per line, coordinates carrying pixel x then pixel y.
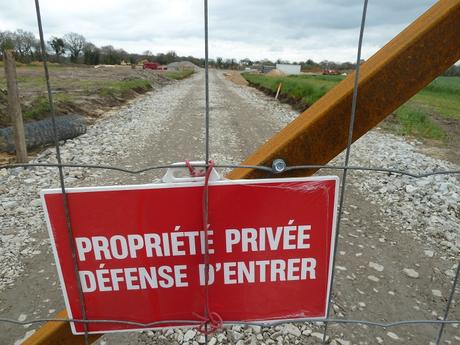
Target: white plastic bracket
{"type": "Point", "coordinates": [172, 174]}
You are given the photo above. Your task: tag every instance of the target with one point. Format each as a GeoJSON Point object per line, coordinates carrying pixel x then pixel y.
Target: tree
{"type": "Point", "coordinates": [132, 59]}
{"type": "Point", "coordinates": [58, 46]}
{"type": "Point", "coordinates": [6, 41]}
{"type": "Point", "coordinates": [309, 65]}
{"type": "Point", "coordinates": [37, 51]}
{"type": "Point", "coordinates": [326, 64]}
{"type": "Point", "coordinates": [346, 66]}
{"type": "Point", "coordinates": [91, 54]}
{"type": "Point", "coordinates": [219, 62]}
{"type": "Point", "coordinates": [170, 56]}
{"type": "Point", "coordinates": [229, 63]}
{"type": "Point", "coordinates": [74, 43]}
{"type": "Point", "coordinates": [148, 54]}
{"type": "Point", "coordinates": [24, 41]}
{"type": "Point", "coordinates": [110, 55]}
{"type": "Point", "coordinates": [246, 62]}
{"type": "Point", "coordinates": [123, 55]}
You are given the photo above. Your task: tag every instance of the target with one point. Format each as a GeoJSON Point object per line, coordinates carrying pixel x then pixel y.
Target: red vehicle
{"type": "Point", "coordinates": [150, 65]}
{"type": "Point", "coordinates": [330, 72]}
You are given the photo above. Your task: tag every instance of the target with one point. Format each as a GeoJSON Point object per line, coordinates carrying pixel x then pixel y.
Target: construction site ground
{"type": "Point", "coordinates": [80, 89]}
{"type": "Point", "coordinates": [392, 226]}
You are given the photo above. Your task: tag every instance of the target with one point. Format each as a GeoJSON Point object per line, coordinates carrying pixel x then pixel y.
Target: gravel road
{"type": "Point", "coordinates": [399, 242]}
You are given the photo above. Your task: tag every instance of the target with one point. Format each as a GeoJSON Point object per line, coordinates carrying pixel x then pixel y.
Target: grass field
{"type": "Point", "coordinates": [442, 96]}
{"type": "Point", "coordinates": [423, 116]}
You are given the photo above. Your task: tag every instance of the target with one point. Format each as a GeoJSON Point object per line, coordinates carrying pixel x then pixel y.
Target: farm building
{"type": "Point", "coordinates": [288, 68]}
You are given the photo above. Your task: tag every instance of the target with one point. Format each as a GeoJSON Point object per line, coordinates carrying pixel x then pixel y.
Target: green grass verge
{"type": "Point", "coordinates": [442, 97]}
{"type": "Point", "coordinates": [179, 75]}
{"type": "Point", "coordinates": [306, 88]}
{"type": "Point", "coordinates": [40, 108]}
{"type": "Point", "coordinates": [118, 88]}
{"type": "Point", "coordinates": [414, 121]}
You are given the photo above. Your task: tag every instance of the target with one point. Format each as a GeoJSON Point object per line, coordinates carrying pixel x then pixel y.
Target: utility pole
{"type": "Point", "coordinates": [14, 107]}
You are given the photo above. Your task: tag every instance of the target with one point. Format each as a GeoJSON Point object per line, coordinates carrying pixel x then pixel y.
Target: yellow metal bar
{"type": "Point", "coordinates": [388, 79]}
{"type": "Point", "coordinates": [392, 76]}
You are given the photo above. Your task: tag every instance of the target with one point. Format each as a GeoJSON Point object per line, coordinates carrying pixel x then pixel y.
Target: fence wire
{"type": "Point", "coordinates": [347, 161]}
{"type": "Point", "coordinates": [270, 170]}
{"type": "Point", "coordinates": [230, 323]}
{"type": "Point", "coordinates": [81, 298]}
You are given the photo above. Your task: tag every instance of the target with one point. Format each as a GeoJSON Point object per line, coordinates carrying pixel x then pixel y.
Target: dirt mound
{"type": "Point", "coordinates": [182, 65]}
{"type": "Point", "coordinates": [276, 73]}
{"type": "Point", "coordinates": [236, 77]}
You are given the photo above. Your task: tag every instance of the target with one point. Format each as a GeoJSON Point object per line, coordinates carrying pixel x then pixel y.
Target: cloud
{"type": "Point", "coordinates": [291, 29]}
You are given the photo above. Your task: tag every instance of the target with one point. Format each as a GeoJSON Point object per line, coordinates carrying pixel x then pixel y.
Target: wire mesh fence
{"type": "Point", "coordinates": [278, 167]}
{"type": "Point", "coordinates": [330, 320]}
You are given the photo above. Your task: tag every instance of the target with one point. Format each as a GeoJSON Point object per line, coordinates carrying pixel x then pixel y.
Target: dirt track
{"type": "Point", "coordinates": [167, 126]}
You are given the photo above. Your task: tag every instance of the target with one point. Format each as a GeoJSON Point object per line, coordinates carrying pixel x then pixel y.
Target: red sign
{"type": "Point", "coordinates": [140, 250]}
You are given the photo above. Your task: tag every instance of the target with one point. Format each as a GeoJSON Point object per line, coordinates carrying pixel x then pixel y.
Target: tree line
{"type": "Point", "coordinates": [75, 48]}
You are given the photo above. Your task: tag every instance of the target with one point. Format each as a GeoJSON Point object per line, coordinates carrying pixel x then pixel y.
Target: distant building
{"type": "Point", "coordinates": [288, 69]}
{"type": "Point", "coordinates": [266, 68]}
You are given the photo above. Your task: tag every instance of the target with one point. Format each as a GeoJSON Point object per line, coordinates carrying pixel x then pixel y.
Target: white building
{"type": "Point", "coordinates": [288, 69]}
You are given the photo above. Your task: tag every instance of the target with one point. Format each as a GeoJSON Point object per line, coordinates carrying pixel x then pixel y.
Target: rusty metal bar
{"type": "Point", "coordinates": [58, 333]}
{"type": "Point", "coordinates": [389, 78]}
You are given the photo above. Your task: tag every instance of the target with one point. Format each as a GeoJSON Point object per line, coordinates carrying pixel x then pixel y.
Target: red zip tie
{"type": "Point", "coordinates": [211, 321]}
{"type": "Point", "coordinates": [193, 171]}
{"type": "Point", "coordinates": [214, 323]}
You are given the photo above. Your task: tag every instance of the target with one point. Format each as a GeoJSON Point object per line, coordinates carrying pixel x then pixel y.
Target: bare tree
{"type": "Point", "coordinates": [6, 41]}
{"type": "Point", "coordinates": [246, 62]}
{"type": "Point", "coordinates": [147, 54]}
{"type": "Point", "coordinates": [109, 55]}
{"type": "Point", "coordinates": [91, 54]}
{"type": "Point", "coordinates": [24, 41]}
{"type": "Point", "coordinates": [58, 46]}
{"type": "Point", "coordinates": [74, 43]}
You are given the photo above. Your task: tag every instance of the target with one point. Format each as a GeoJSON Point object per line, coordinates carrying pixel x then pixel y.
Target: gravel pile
{"type": "Point", "coordinates": [428, 207]}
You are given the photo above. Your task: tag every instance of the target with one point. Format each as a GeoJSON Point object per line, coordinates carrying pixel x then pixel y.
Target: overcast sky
{"type": "Point", "coordinates": [286, 29]}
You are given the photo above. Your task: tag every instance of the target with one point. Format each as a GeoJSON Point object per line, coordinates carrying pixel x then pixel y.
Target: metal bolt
{"type": "Point", "coordinates": [278, 166]}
